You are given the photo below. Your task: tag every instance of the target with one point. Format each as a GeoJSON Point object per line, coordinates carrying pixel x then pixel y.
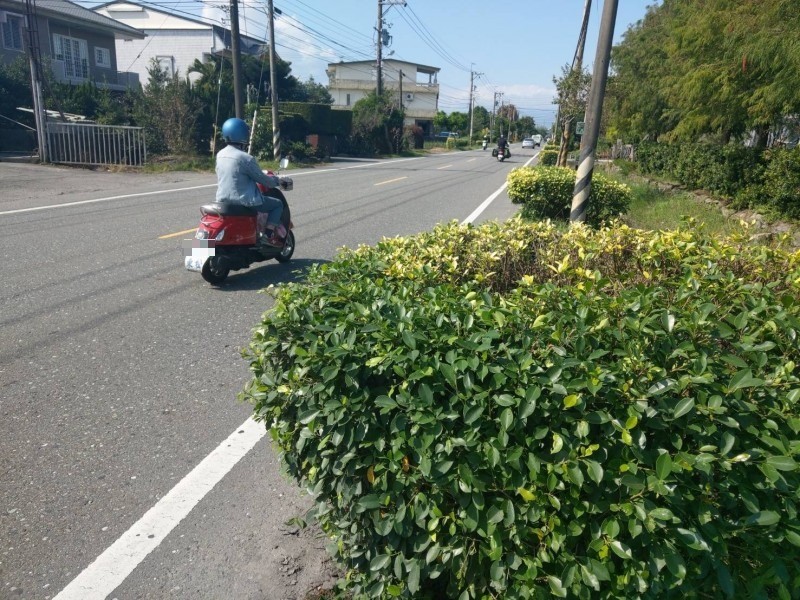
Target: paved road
{"type": "Point", "coordinates": [119, 372]}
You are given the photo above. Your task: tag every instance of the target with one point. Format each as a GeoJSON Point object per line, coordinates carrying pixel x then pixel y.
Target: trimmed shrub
{"type": "Point", "coordinates": [518, 411]}
{"type": "Point", "coordinates": [779, 187]}
{"type": "Point", "coordinates": [546, 193]}
{"type": "Point", "coordinates": [548, 157]}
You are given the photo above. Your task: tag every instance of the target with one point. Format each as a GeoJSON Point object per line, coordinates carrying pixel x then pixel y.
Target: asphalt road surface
{"type": "Point", "coordinates": [128, 469]}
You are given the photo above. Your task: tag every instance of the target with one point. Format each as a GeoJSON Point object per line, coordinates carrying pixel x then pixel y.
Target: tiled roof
{"type": "Point", "coordinates": [72, 12]}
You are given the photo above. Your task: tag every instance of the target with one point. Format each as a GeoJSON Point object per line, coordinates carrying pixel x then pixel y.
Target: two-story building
{"type": "Point", "coordinates": [174, 41]}
{"type": "Point", "coordinates": [415, 86]}
{"type": "Point", "coordinates": [78, 43]}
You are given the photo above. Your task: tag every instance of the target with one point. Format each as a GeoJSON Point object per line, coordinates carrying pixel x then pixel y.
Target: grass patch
{"type": "Point", "coordinates": [165, 164]}
{"type": "Point", "coordinates": [654, 209]}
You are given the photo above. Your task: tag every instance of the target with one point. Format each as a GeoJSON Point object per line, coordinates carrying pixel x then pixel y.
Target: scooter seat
{"type": "Point", "coordinates": [228, 209]}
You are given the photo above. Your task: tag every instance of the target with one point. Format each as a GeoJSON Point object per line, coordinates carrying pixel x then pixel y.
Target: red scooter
{"type": "Point", "coordinates": [227, 238]}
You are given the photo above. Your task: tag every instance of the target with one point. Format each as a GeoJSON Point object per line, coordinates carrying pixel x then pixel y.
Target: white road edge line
{"type": "Point", "coordinates": [119, 560]}
{"type": "Point", "coordinates": [485, 204]}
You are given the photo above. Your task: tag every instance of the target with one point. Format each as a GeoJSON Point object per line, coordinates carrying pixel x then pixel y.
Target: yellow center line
{"type": "Point", "coordinates": [176, 234]}
{"type": "Point", "coordinates": [391, 180]}
{"type": "Point", "coordinates": [445, 167]}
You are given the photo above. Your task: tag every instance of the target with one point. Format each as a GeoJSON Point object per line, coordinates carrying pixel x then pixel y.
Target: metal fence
{"type": "Point", "coordinates": [90, 144]}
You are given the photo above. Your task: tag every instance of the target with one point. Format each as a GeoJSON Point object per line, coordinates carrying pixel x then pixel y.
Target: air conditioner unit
{"type": "Point", "coordinates": [409, 97]}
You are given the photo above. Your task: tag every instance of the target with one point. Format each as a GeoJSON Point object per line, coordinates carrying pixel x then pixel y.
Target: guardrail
{"type": "Point", "coordinates": [91, 144]}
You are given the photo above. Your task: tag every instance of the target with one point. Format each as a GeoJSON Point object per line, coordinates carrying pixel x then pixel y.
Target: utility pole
{"type": "Point", "coordinates": [472, 75]}
{"type": "Point", "coordinates": [577, 68]}
{"type": "Point", "coordinates": [400, 83]}
{"type": "Point", "coordinates": [273, 88]}
{"type": "Point", "coordinates": [594, 111]}
{"type": "Point", "coordinates": [34, 56]}
{"type": "Point", "coordinates": [378, 64]}
{"type": "Point", "coordinates": [236, 59]}
{"type": "Point", "coordinates": [379, 85]}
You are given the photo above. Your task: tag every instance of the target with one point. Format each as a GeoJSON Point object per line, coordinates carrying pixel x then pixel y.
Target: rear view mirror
{"type": "Point", "coordinates": [284, 163]}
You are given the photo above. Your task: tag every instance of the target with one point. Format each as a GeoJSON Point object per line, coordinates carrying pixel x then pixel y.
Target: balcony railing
{"type": "Point", "coordinates": [116, 80]}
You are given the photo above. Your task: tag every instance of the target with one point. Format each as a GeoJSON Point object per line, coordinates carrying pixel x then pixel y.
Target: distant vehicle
{"type": "Point", "coordinates": [537, 139]}
{"type": "Point", "coordinates": [447, 134]}
{"type": "Point", "coordinates": [528, 143]}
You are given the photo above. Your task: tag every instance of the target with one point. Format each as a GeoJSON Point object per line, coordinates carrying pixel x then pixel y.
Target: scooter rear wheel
{"type": "Point", "coordinates": [215, 271]}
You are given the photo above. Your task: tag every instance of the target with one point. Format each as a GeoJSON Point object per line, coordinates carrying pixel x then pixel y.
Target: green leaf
{"type": "Point", "coordinates": [793, 537]}
{"type": "Point", "coordinates": [433, 553]}
{"type": "Point", "coordinates": [506, 418]}
{"type": "Point", "coordinates": [385, 402]}
{"type": "Point", "coordinates": [725, 580]}
{"type": "Point", "coordinates": [683, 407]}
{"type": "Point", "coordinates": [782, 463]}
{"type": "Point", "coordinates": [527, 495]}
{"type": "Point", "coordinates": [570, 401]}
{"type": "Point", "coordinates": [661, 387]}
{"type": "Point", "coordinates": [693, 539]}
{"type": "Point", "coordinates": [369, 502]}
{"type": "Point", "coordinates": [558, 443]}
{"type": "Point", "coordinates": [575, 474]}
{"type": "Point", "coordinates": [408, 340]}
{"type": "Point", "coordinates": [449, 374]}
{"type": "Point", "coordinates": [743, 379]}
{"type": "Point", "coordinates": [663, 466]}
{"type": "Point", "coordinates": [472, 414]}
{"type": "Point", "coordinates": [763, 518]}
{"type": "Point", "coordinates": [621, 550]}
{"type": "Point", "coordinates": [494, 515]}
{"type": "Point", "coordinates": [306, 417]}
{"type": "Point", "coordinates": [661, 514]}
{"type": "Point", "coordinates": [379, 562]}
{"type": "Point", "coordinates": [413, 576]}
{"type": "Point", "coordinates": [497, 571]}
{"type": "Point", "coordinates": [595, 471]}
{"type": "Point", "coordinates": [557, 587]}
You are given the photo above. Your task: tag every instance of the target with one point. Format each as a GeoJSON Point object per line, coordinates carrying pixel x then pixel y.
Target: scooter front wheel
{"type": "Point", "coordinates": [288, 248]}
{"type": "Point", "coordinates": [215, 270]}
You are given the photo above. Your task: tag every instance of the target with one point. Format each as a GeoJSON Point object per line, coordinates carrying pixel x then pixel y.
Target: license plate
{"type": "Point", "coordinates": [194, 263]}
{"type": "Point", "coordinates": [196, 253]}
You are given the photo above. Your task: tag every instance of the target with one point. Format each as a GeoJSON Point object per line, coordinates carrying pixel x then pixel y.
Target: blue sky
{"type": "Point", "coordinates": [516, 45]}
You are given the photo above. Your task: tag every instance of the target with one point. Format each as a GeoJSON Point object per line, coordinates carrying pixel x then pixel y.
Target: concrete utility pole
{"type": "Point", "coordinates": [379, 63]}
{"type": "Point", "coordinates": [34, 56]}
{"type": "Point", "coordinates": [472, 75]}
{"type": "Point", "coordinates": [379, 85]}
{"type": "Point", "coordinates": [273, 88]}
{"type": "Point", "coordinates": [236, 59]}
{"type": "Point", "coordinates": [594, 111]}
{"type": "Point", "coordinates": [577, 67]}
{"type": "Point", "coordinates": [400, 84]}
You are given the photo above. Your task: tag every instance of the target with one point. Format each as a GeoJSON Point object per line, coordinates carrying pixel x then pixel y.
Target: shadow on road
{"type": "Point", "coordinates": [270, 273]}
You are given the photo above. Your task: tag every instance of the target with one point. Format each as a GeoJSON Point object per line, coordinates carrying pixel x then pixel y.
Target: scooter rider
{"type": "Point", "coordinates": [485, 141]}
{"type": "Point", "coordinates": [237, 175]}
{"type": "Point", "coordinates": [502, 144]}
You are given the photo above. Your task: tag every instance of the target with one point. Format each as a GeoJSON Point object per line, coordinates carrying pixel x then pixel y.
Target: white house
{"type": "Point", "coordinates": [417, 90]}
{"type": "Point", "coordinates": [174, 41]}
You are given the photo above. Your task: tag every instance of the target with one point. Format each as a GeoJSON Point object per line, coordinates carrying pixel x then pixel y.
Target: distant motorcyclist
{"type": "Point", "coordinates": [485, 141]}
{"type": "Point", "coordinates": [502, 144]}
{"type": "Point", "coordinates": [237, 175]}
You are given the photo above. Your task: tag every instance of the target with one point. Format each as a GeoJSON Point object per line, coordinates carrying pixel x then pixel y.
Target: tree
{"type": "Point", "coordinates": [573, 91]}
{"type": "Point", "coordinates": [716, 69]}
{"type": "Point", "coordinates": [378, 124]}
{"type": "Point", "coordinates": [168, 111]}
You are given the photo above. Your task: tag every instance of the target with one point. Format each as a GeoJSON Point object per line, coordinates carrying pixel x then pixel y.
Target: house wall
{"type": "Point", "coordinates": [358, 79]}
{"type": "Point", "coordinates": [93, 40]}
{"type": "Point", "coordinates": [182, 46]}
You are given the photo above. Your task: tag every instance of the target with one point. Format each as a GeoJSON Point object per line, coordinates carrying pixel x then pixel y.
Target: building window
{"type": "Point", "coordinates": [348, 100]}
{"type": "Point", "coordinates": [74, 54]}
{"type": "Point", "coordinates": [12, 32]}
{"type": "Point", "coordinates": [102, 57]}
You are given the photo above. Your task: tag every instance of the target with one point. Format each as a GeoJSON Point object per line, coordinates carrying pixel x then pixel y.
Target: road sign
{"type": "Point", "coordinates": [579, 127]}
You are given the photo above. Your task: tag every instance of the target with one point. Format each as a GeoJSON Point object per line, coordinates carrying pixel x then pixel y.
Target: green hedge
{"type": "Point", "coordinates": [546, 193]}
{"type": "Point", "coordinates": [518, 411]}
{"type": "Point", "coordinates": [778, 187]}
{"type": "Point", "coordinates": [548, 157]}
